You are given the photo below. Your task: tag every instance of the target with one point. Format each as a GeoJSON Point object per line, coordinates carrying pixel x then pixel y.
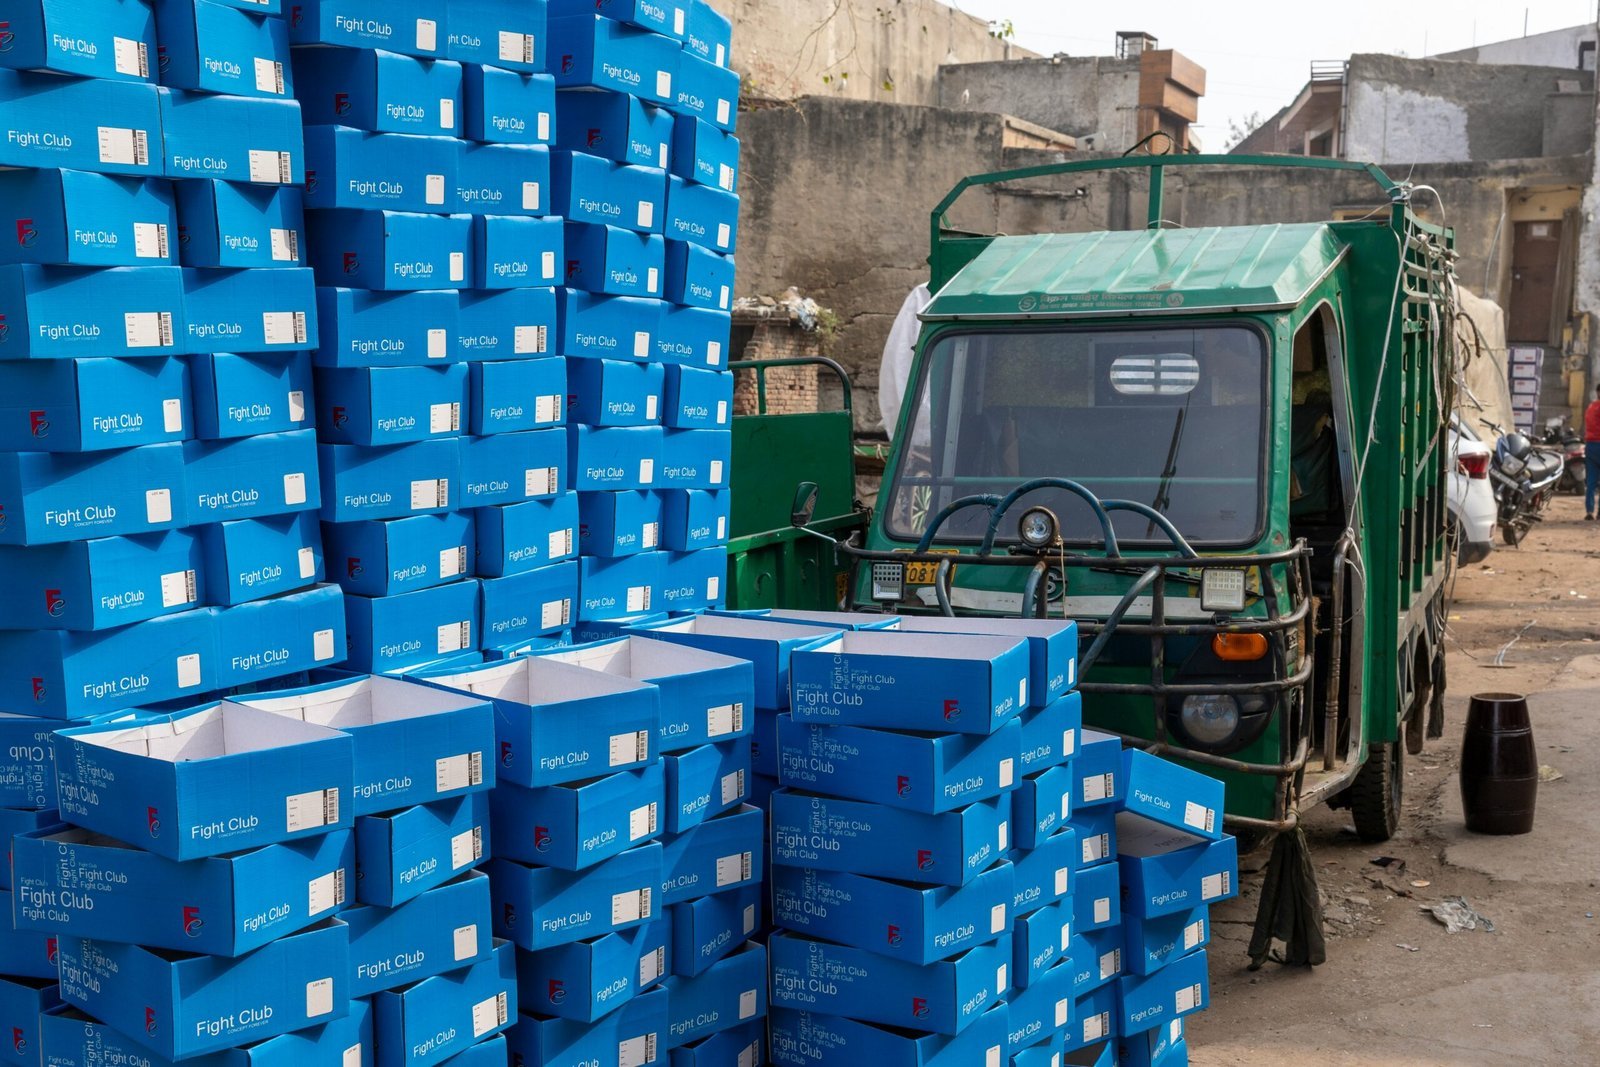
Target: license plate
{"type": "Point", "coordinates": [920, 573]}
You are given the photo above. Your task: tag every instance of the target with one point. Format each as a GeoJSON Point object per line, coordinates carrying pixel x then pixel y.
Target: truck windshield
{"type": "Point", "coordinates": [1169, 417]}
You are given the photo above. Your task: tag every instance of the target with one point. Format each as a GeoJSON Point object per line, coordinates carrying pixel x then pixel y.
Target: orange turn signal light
{"type": "Point", "coordinates": [1239, 647]}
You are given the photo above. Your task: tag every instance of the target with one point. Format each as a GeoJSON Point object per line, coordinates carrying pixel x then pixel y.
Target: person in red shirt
{"type": "Point", "coordinates": [1591, 454]}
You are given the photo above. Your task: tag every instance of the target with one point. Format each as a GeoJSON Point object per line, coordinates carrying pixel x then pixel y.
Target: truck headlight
{"type": "Point", "coordinates": [1210, 719]}
{"type": "Point", "coordinates": [1222, 589]}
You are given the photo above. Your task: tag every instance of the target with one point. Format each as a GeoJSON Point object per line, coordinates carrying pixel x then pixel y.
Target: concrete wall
{"type": "Point", "coordinates": [1081, 95]}
{"type": "Point", "coordinates": [854, 51]}
{"type": "Point", "coordinates": [1556, 48]}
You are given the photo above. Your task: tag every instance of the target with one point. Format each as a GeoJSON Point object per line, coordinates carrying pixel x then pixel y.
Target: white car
{"type": "Point", "coordinates": [1471, 501]}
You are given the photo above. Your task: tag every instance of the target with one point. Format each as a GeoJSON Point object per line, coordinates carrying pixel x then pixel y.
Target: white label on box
{"type": "Point", "coordinates": [722, 300]}
{"type": "Point", "coordinates": [664, 84]}
{"type": "Point", "coordinates": [516, 47]}
{"type": "Point", "coordinates": [1069, 741]}
{"type": "Point", "coordinates": [437, 342]}
{"type": "Point", "coordinates": [747, 1004]}
{"type": "Point", "coordinates": [638, 599]}
{"type": "Point", "coordinates": [725, 177]}
{"type": "Point", "coordinates": [991, 1057]}
{"type": "Point", "coordinates": [131, 57]}
{"type": "Point", "coordinates": [722, 412]}
{"type": "Point", "coordinates": [630, 907]}
{"type": "Point", "coordinates": [641, 344]}
{"type": "Point", "coordinates": [650, 404]}
{"type": "Point", "coordinates": [722, 55]}
{"type": "Point", "coordinates": [452, 561]}
{"type": "Point", "coordinates": [651, 964]}
{"type": "Point", "coordinates": [466, 848]}
{"type": "Point", "coordinates": [147, 329]}
{"type": "Point", "coordinates": [308, 562]}
{"type": "Point", "coordinates": [547, 266]}
{"type": "Point", "coordinates": [433, 189]}
{"type": "Point", "coordinates": [1187, 998]}
{"type": "Point", "coordinates": [530, 196]}
{"type": "Point", "coordinates": [294, 488]}
{"type": "Point", "coordinates": [172, 415]}
{"type": "Point", "coordinates": [997, 918]}
{"type": "Point", "coordinates": [444, 418]}
{"type": "Point", "coordinates": [677, 21]}
{"type": "Point", "coordinates": [716, 472]}
{"type": "Point", "coordinates": [528, 340]}
{"type": "Point", "coordinates": [647, 214]}
{"type": "Point", "coordinates": [1193, 934]}
{"type": "Point", "coordinates": [430, 493]}
{"type": "Point", "coordinates": [189, 670]}
{"type": "Point", "coordinates": [733, 869]}
{"type": "Point", "coordinates": [724, 719]}
{"type": "Point", "coordinates": [544, 126]}
{"type": "Point", "coordinates": [297, 405]}
{"type": "Point", "coordinates": [1066, 934]}
{"type": "Point", "coordinates": [1000, 980]}
{"type": "Point", "coordinates": [1066, 806]}
{"type": "Point", "coordinates": [647, 471]}
{"type": "Point", "coordinates": [158, 505]}
{"type": "Point", "coordinates": [488, 1014]}
{"type": "Point", "coordinates": [652, 280]}
{"type": "Point", "coordinates": [307, 811]}
{"type": "Point", "coordinates": [454, 636]}
{"type": "Point", "coordinates": [713, 588]}
{"type": "Point", "coordinates": [1062, 1006]}
{"type": "Point", "coordinates": [457, 772]}
{"type": "Point", "coordinates": [749, 919]}
{"type": "Point", "coordinates": [1005, 836]}
{"type": "Point", "coordinates": [1061, 880]}
{"type": "Point", "coordinates": [458, 266]}
{"type": "Point", "coordinates": [285, 245]}
{"type": "Point", "coordinates": [1102, 911]}
{"type": "Point", "coordinates": [1098, 787]}
{"type": "Point", "coordinates": [284, 327]}
{"type": "Point", "coordinates": [466, 942]}
{"type": "Point", "coordinates": [1213, 886]}
{"type": "Point", "coordinates": [269, 76]}
{"type": "Point", "coordinates": [1199, 816]}
{"type": "Point", "coordinates": [650, 534]}
{"type": "Point", "coordinates": [124, 147]}
{"type": "Point", "coordinates": [724, 109]}
{"type": "Point", "coordinates": [722, 527]}
{"type": "Point", "coordinates": [661, 155]}
{"type": "Point", "coordinates": [1096, 1027]}
{"type": "Point", "coordinates": [1007, 772]}
{"type": "Point", "coordinates": [1095, 848]}
{"type": "Point", "coordinates": [325, 893]}
{"type": "Point", "coordinates": [539, 481]}
{"type": "Point", "coordinates": [177, 587]}
{"type": "Point", "coordinates": [271, 168]}
{"type": "Point", "coordinates": [636, 1051]}
{"type": "Point", "coordinates": [631, 747]}
{"type": "Point", "coordinates": [427, 35]}
{"type": "Point", "coordinates": [150, 240]}
{"type": "Point", "coordinates": [732, 787]}
{"type": "Point", "coordinates": [447, 113]}
{"type": "Point", "coordinates": [555, 614]}
{"type": "Point", "coordinates": [642, 821]}
{"type": "Point", "coordinates": [319, 997]}
{"type": "Point", "coordinates": [322, 645]}
{"type": "Point", "coordinates": [1175, 1031]}
{"type": "Point", "coordinates": [560, 542]}
{"type": "Point", "coordinates": [713, 353]}
{"type": "Point", "coordinates": [724, 234]}
{"type": "Point", "coordinates": [1110, 963]}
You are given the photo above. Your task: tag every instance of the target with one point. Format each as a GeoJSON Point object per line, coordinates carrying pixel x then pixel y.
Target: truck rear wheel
{"type": "Point", "coordinates": [1375, 795]}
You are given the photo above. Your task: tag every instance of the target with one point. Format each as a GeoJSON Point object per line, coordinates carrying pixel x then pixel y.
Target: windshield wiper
{"type": "Point", "coordinates": [1170, 470]}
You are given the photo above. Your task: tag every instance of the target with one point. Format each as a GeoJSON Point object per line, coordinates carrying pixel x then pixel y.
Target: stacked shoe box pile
{"type": "Point", "coordinates": [438, 399]}
{"type": "Point", "coordinates": [644, 172]}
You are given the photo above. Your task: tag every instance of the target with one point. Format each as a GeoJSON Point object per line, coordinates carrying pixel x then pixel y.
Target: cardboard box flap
{"type": "Point", "coordinates": [537, 681]}
{"type": "Point", "coordinates": [369, 701]}
{"type": "Point", "coordinates": [213, 732]}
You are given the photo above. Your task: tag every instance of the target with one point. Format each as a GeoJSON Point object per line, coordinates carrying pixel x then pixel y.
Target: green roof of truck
{"type": "Point", "coordinates": [1140, 272]}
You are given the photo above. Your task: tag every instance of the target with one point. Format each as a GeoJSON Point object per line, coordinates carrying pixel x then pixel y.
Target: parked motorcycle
{"type": "Point", "coordinates": [1574, 471]}
{"type": "Point", "coordinates": [1524, 477]}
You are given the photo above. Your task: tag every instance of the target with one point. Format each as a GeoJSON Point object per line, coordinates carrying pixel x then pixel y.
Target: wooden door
{"type": "Point", "coordinates": [1535, 256]}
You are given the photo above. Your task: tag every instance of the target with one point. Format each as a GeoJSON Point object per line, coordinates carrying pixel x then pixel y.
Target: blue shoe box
{"type": "Point", "coordinates": [902, 681]}
{"type": "Point", "coordinates": [87, 405]}
{"type": "Point", "coordinates": [391, 405]}
{"type": "Point", "coordinates": [100, 583]}
{"type": "Point", "coordinates": [709, 33]}
{"type": "Point", "coordinates": [93, 124]}
{"type": "Point", "coordinates": [706, 929]}
{"type": "Point", "coordinates": [513, 395]}
{"type": "Point", "coordinates": [669, 19]}
{"type": "Point", "coordinates": [795, 1034]}
{"type": "Point", "coordinates": [1052, 649]}
{"type": "Point", "coordinates": [707, 92]}
{"type": "Point", "coordinates": [614, 126]}
{"type": "Point", "coordinates": [541, 907]}
{"type": "Point", "coordinates": [391, 633]}
{"type": "Point", "coordinates": [441, 930]}
{"type": "Point", "coordinates": [27, 761]}
{"type": "Point", "coordinates": [1096, 830]}
{"type": "Point", "coordinates": [693, 518]}
{"type": "Point", "coordinates": [1043, 804]}
{"type": "Point", "coordinates": [692, 581]}
{"type": "Point", "coordinates": [1153, 943]}
{"type": "Point", "coordinates": [1174, 796]}
{"type": "Point", "coordinates": [16, 823]}
{"type": "Point", "coordinates": [411, 27]}
{"type": "Point", "coordinates": [234, 138]}
{"type": "Point", "coordinates": [828, 833]}
{"type": "Point", "coordinates": [1040, 940]}
{"type": "Point", "coordinates": [519, 537]}
{"type": "Point", "coordinates": [633, 1033]}
{"type": "Point", "coordinates": [503, 179]}
{"type": "Point", "coordinates": [618, 524]}
{"type": "Point", "coordinates": [717, 856]}
{"type": "Point", "coordinates": [215, 48]}
{"type": "Point", "coordinates": [402, 854]}
{"type": "Point", "coordinates": [27, 954]}
{"type": "Point", "coordinates": [378, 90]}
{"type": "Point", "coordinates": [1166, 871]}
{"type": "Point", "coordinates": [917, 924]}
{"type": "Point", "coordinates": [1096, 959]}
{"type": "Point", "coordinates": [1046, 1053]}
{"type": "Point", "coordinates": [1042, 1010]}
{"type": "Point", "coordinates": [1163, 1046]}
{"type": "Point", "coordinates": [587, 49]}
{"type": "Point", "coordinates": [509, 468]}
{"type": "Point", "coordinates": [504, 33]}
{"type": "Point", "coordinates": [379, 558]}
{"type": "Point", "coordinates": [1096, 1024]}
{"type": "Point", "coordinates": [729, 992]}
{"type": "Point", "coordinates": [251, 477]}
{"type": "Point", "coordinates": [704, 782]}
{"type": "Point", "coordinates": [52, 497]}
{"type": "Point", "coordinates": [115, 39]}
{"type": "Point", "coordinates": [190, 1005]}
{"type": "Point", "coordinates": [366, 329]}
{"type": "Point", "coordinates": [390, 250]}
{"type": "Point", "coordinates": [696, 459]}
{"type": "Point", "coordinates": [767, 645]}
{"type": "Point", "coordinates": [232, 225]}
{"type": "Point", "coordinates": [249, 310]}
{"type": "Point", "coordinates": [73, 1039]}
{"type": "Point", "coordinates": [430, 1021]}
{"type": "Point", "coordinates": [57, 312]}
{"type": "Point", "coordinates": [694, 337]}
{"type": "Point", "coordinates": [350, 168]}
{"type": "Point", "coordinates": [247, 559]}
{"type": "Point", "coordinates": [606, 327]}
{"type": "Point", "coordinates": [579, 824]}
{"type": "Point", "coordinates": [86, 219]}
{"type": "Point", "coordinates": [704, 154]}
{"type": "Point", "coordinates": [614, 261]}
{"type": "Point", "coordinates": [1044, 874]}
{"type": "Point", "coordinates": [516, 251]}
{"type": "Point", "coordinates": [697, 399]}
{"type": "Point", "coordinates": [1050, 734]}
{"type": "Point", "coordinates": [613, 458]}
{"type": "Point", "coordinates": [610, 392]}
{"type": "Point", "coordinates": [624, 586]}
{"type": "Point", "coordinates": [1147, 1001]}
{"type": "Point", "coordinates": [414, 744]}
{"type": "Point", "coordinates": [591, 630]}
{"type": "Point", "coordinates": [75, 882]}
{"type": "Point", "coordinates": [585, 980]}
{"type": "Point", "coordinates": [1098, 768]}
{"type": "Point", "coordinates": [558, 724]}
{"type": "Point", "coordinates": [698, 277]}
{"type": "Point", "coordinates": [1096, 896]}
{"type": "Point", "coordinates": [529, 604]}
{"type": "Point", "coordinates": [702, 215]}
{"type": "Point", "coordinates": [25, 1006]}
{"type": "Point", "coordinates": [587, 188]}
{"type": "Point", "coordinates": [508, 106]}
{"type": "Point", "coordinates": [501, 324]}
{"type": "Point", "coordinates": [62, 674]}
{"type": "Point", "coordinates": [270, 638]}
{"type": "Point", "coordinates": [389, 483]}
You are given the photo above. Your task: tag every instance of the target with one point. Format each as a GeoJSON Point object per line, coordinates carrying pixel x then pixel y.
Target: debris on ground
{"type": "Point", "coordinates": [1457, 915]}
{"type": "Point", "coordinates": [1548, 773]}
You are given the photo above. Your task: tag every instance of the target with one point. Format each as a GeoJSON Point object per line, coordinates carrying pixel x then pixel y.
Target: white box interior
{"type": "Point", "coordinates": [537, 680]}
{"type": "Point", "coordinates": [362, 702]}
{"type": "Point", "coordinates": [938, 624]}
{"type": "Point", "coordinates": [969, 647]}
{"type": "Point", "coordinates": [223, 729]}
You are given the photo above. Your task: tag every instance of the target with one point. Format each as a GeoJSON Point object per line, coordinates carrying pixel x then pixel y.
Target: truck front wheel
{"type": "Point", "coordinates": [1375, 795]}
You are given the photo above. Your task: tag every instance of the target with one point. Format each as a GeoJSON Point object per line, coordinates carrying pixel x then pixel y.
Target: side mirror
{"type": "Point", "coordinates": [805, 504]}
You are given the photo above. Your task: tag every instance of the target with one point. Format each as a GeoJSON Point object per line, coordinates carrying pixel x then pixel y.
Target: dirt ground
{"type": "Point", "coordinates": [1397, 987]}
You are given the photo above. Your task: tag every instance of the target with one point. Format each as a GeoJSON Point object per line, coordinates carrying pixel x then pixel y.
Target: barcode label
{"type": "Point", "coordinates": [664, 84]}
{"type": "Point", "coordinates": [284, 327]}
{"type": "Point", "coordinates": [530, 196]}
{"type": "Point", "coordinates": [544, 126]}
{"type": "Point", "coordinates": [652, 283]}
{"type": "Point", "coordinates": [433, 189]}
{"type": "Point", "coordinates": [1062, 1007]}
{"type": "Point", "coordinates": [466, 942]}
{"type": "Point", "coordinates": [997, 918]}
{"type": "Point", "coordinates": [630, 907]}
{"type": "Point", "coordinates": [1008, 772]}
{"type": "Point", "coordinates": [636, 1051]}
{"type": "Point", "coordinates": [319, 997]}
{"type": "Point", "coordinates": [430, 493]}
{"type": "Point", "coordinates": [529, 341]}
{"type": "Point", "coordinates": [725, 177]}
{"type": "Point", "coordinates": [733, 869]}
{"type": "Point", "coordinates": [466, 848]}
{"type": "Point", "coordinates": [285, 245]}
{"type": "Point", "coordinates": [732, 787]}
{"type": "Point", "coordinates": [269, 76]}
{"type": "Point", "coordinates": [1098, 787]}
{"type": "Point", "coordinates": [309, 810]}
{"type": "Point", "coordinates": [1066, 934]}
{"type": "Point", "coordinates": [713, 353]}
{"type": "Point", "coordinates": [458, 772]}
{"type": "Point", "coordinates": [1193, 934]}
{"type": "Point", "coordinates": [124, 147]}
{"type": "Point", "coordinates": [326, 892]}
{"type": "Point", "coordinates": [271, 168]}
{"type": "Point", "coordinates": [157, 506]}
{"type": "Point", "coordinates": [642, 821]}
{"type": "Point", "coordinates": [727, 719]}
{"type": "Point", "coordinates": [540, 481]}
{"type": "Point", "coordinates": [714, 588]}
{"type": "Point", "coordinates": [1004, 833]}
{"type": "Point", "coordinates": [177, 587]}
{"type": "Point", "coordinates": [1199, 816]}
{"type": "Point", "coordinates": [307, 559]}
{"type": "Point", "coordinates": [1061, 881]}
{"type": "Point", "coordinates": [724, 110]}
{"type": "Point", "coordinates": [547, 265]}
{"type": "Point", "coordinates": [322, 646]}
{"type": "Point", "coordinates": [722, 412]}
{"type": "Point", "coordinates": [447, 113]}
{"type": "Point", "coordinates": [647, 471]}
{"type": "Point", "coordinates": [147, 329]}
{"type": "Point", "coordinates": [722, 527]}
{"type": "Point", "coordinates": [452, 561]}
{"type": "Point", "coordinates": [1110, 964]}
{"type": "Point", "coordinates": [749, 919]}
{"type": "Point", "coordinates": [630, 747]}
{"type": "Point", "coordinates": [294, 488]}
{"type": "Point", "coordinates": [458, 266]}
{"type": "Point", "coordinates": [716, 472]}
{"type": "Point", "coordinates": [438, 340]}
{"type": "Point", "coordinates": [1069, 742]}
{"type": "Point", "coordinates": [131, 57]}
{"type": "Point", "coordinates": [547, 408]}
{"type": "Point", "coordinates": [555, 614]}
{"type": "Point", "coordinates": [1102, 911]}
{"type": "Point", "coordinates": [991, 1057]}
{"type": "Point", "coordinates": [651, 964]}
{"type": "Point", "coordinates": [638, 599]}
{"type": "Point", "coordinates": [1216, 885]}
{"type": "Point", "coordinates": [516, 47]}
{"type": "Point", "coordinates": [560, 542]}
{"type": "Point", "coordinates": [297, 405]}
{"type": "Point", "coordinates": [1096, 1027]}
{"type": "Point", "coordinates": [150, 240]}
{"type": "Point", "coordinates": [1096, 847]}
{"type": "Point", "coordinates": [444, 418]}
{"type": "Point", "coordinates": [1188, 998]}
{"type": "Point", "coordinates": [488, 1014]}
{"type": "Point", "coordinates": [641, 344]}
{"type": "Point", "coordinates": [1066, 806]}
{"type": "Point", "coordinates": [427, 35]}
{"type": "Point", "coordinates": [352, 1055]}
{"type": "Point", "coordinates": [189, 670]}
{"type": "Point", "coordinates": [454, 636]}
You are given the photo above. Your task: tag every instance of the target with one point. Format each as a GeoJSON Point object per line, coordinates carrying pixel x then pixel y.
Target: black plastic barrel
{"type": "Point", "coordinates": [1499, 765]}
